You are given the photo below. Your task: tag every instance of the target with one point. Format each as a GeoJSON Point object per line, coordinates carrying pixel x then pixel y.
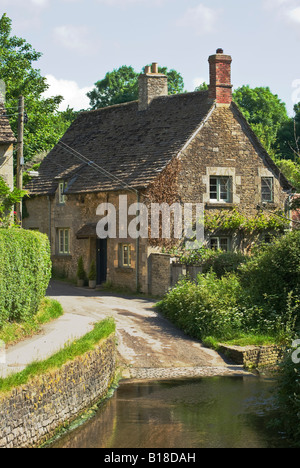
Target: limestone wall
{"type": "Point", "coordinates": [31, 414]}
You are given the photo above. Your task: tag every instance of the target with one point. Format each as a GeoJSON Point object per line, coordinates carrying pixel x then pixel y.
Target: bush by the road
{"type": "Point", "coordinates": [25, 272]}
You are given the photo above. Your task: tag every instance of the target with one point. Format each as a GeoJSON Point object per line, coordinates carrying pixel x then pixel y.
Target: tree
{"type": "Point", "coordinates": [121, 85]}
{"type": "Point", "coordinates": [45, 124]}
{"type": "Point", "coordinates": [8, 198]}
{"type": "Point", "coordinates": [288, 138]}
{"type": "Point", "coordinates": [264, 111]}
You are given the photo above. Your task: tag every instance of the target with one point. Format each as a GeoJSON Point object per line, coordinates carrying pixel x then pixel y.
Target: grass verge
{"type": "Point", "coordinates": [13, 332]}
{"type": "Point", "coordinates": [242, 341]}
{"type": "Point", "coordinates": [79, 347]}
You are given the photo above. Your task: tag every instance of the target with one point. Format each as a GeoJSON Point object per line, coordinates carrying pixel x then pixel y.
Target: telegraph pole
{"type": "Point", "coordinates": [20, 156]}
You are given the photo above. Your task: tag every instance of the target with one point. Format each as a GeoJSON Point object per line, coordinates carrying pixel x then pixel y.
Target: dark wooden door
{"type": "Point", "coordinates": [101, 260]}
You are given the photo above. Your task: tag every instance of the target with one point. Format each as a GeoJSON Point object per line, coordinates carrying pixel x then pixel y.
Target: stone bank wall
{"type": "Point", "coordinates": [253, 356]}
{"type": "Point", "coordinates": [30, 415]}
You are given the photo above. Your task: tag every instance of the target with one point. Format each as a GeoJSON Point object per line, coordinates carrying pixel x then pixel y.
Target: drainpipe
{"type": "Point", "coordinates": [50, 227]}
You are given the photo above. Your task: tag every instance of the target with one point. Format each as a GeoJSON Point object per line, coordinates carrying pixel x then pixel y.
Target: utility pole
{"type": "Point", "coordinates": [20, 156]}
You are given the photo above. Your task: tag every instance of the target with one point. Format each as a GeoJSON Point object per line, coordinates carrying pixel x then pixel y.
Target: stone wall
{"type": "Point", "coordinates": [6, 164]}
{"type": "Point", "coordinates": [159, 274]}
{"type": "Point", "coordinates": [31, 414]}
{"type": "Point", "coordinates": [253, 356]}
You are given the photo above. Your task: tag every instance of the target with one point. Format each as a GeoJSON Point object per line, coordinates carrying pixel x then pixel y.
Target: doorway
{"type": "Point", "coordinates": [101, 260]}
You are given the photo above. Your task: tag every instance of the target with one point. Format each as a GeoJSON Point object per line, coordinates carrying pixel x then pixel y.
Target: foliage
{"type": "Point", "coordinates": [233, 220]}
{"type": "Point", "coordinates": [8, 198]}
{"type": "Point", "coordinates": [216, 260]}
{"type": "Point", "coordinates": [264, 111]}
{"type": "Point", "coordinates": [273, 274]}
{"type": "Point", "coordinates": [45, 124]}
{"type": "Point", "coordinates": [291, 170]}
{"type": "Point", "coordinates": [261, 298]}
{"type": "Point", "coordinates": [288, 395]}
{"type": "Point", "coordinates": [13, 332]}
{"type": "Point", "coordinates": [81, 275]}
{"type": "Point", "coordinates": [206, 308]}
{"type": "Point", "coordinates": [25, 272]}
{"type": "Point", "coordinates": [288, 138]}
{"type": "Point", "coordinates": [121, 85]}
{"type": "Point", "coordinates": [93, 272]}
{"type": "Point", "coordinates": [87, 343]}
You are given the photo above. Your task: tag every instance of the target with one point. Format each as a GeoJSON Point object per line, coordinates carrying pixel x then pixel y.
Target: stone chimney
{"type": "Point", "coordinates": [220, 88]}
{"type": "Point", "coordinates": [151, 85]}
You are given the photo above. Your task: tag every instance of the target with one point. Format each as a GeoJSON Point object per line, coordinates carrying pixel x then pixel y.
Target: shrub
{"type": "Point", "coordinates": [93, 272]}
{"type": "Point", "coordinates": [208, 308]}
{"type": "Point", "coordinates": [81, 275]}
{"type": "Point", "coordinates": [25, 272]}
{"type": "Point", "coordinates": [271, 276]}
{"type": "Point", "coordinates": [288, 394]}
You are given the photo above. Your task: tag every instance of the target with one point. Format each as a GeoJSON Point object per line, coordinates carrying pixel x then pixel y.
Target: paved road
{"type": "Point", "coordinates": [149, 346]}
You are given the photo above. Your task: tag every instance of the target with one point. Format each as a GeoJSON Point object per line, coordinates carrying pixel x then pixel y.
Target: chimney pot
{"type": "Point", "coordinates": [155, 68]}
{"type": "Point", "coordinates": [147, 69]}
{"type": "Point", "coordinates": [220, 51]}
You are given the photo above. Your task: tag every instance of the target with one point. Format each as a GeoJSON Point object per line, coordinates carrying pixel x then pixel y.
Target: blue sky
{"type": "Point", "coordinates": [83, 39]}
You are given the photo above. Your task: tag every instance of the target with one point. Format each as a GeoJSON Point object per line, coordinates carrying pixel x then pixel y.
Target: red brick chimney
{"type": "Point", "coordinates": [220, 87]}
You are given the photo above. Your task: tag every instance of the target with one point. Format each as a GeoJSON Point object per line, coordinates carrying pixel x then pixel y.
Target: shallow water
{"type": "Point", "coordinates": [221, 412]}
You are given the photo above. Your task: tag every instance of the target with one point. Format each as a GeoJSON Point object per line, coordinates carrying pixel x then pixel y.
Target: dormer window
{"type": "Point", "coordinates": [61, 193]}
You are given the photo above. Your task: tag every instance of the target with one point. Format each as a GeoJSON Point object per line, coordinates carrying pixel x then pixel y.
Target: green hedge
{"type": "Point", "coordinates": [25, 272]}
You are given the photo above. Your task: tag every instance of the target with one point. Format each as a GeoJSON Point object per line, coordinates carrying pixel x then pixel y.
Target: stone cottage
{"type": "Point", "coordinates": [7, 140]}
{"type": "Point", "coordinates": [187, 148]}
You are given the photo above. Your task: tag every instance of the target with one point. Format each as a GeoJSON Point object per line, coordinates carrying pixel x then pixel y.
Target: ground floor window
{"type": "Point", "coordinates": [125, 255]}
{"type": "Point", "coordinates": [220, 243]}
{"type": "Point", "coordinates": [64, 241]}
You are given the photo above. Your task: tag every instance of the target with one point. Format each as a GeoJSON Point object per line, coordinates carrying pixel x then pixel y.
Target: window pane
{"type": "Point", "coordinates": [224, 244]}
{"type": "Point", "coordinates": [61, 241]}
{"type": "Point", "coordinates": [213, 189]}
{"type": "Point", "coordinates": [267, 189]}
{"type": "Point", "coordinates": [67, 241]}
{"type": "Point", "coordinates": [214, 244]}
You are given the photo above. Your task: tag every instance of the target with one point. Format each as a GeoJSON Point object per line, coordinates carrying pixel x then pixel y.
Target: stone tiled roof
{"type": "Point", "coordinates": [132, 146]}
{"type": "Point", "coordinates": [6, 133]}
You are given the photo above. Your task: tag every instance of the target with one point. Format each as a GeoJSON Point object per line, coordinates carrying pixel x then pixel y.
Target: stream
{"type": "Point", "coordinates": [220, 412]}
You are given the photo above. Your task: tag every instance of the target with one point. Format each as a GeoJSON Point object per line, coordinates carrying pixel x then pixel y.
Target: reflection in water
{"type": "Point", "coordinates": [221, 412]}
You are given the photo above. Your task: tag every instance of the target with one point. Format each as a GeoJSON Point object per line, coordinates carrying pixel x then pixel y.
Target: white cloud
{"type": "Point", "coordinates": [74, 96]}
{"type": "Point", "coordinates": [202, 19]}
{"type": "Point", "coordinates": [294, 15]}
{"type": "Point", "coordinates": [74, 38]}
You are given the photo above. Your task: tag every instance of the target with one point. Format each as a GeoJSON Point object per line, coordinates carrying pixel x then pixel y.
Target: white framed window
{"type": "Point", "coordinates": [220, 189]}
{"type": "Point", "coordinates": [267, 189]}
{"type": "Point", "coordinates": [64, 241]}
{"type": "Point", "coordinates": [125, 255]}
{"type": "Point", "coordinates": [61, 190]}
{"type": "Point", "coordinates": [220, 243]}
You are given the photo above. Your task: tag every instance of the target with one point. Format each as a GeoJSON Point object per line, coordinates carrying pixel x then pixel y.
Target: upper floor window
{"type": "Point", "coordinates": [220, 189]}
{"type": "Point", "coordinates": [61, 193]}
{"type": "Point", "coordinates": [267, 189]}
